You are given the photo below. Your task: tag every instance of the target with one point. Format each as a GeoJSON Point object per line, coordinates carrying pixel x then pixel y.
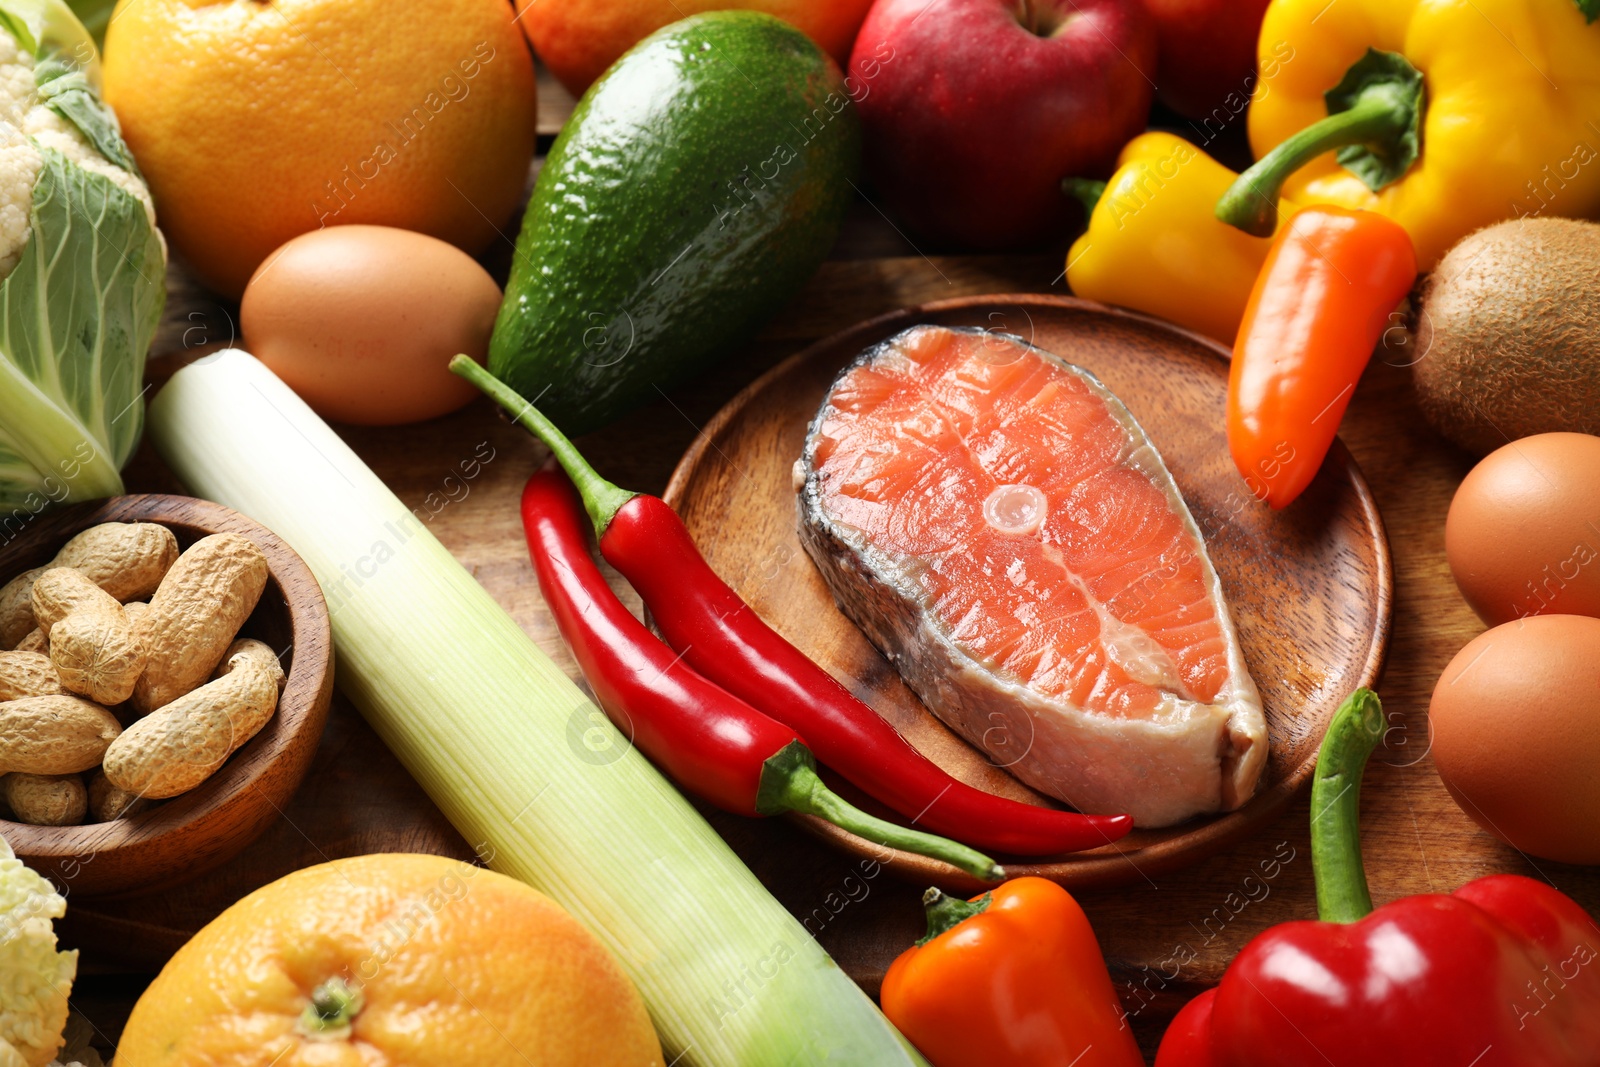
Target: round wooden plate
{"type": "Point", "coordinates": [180, 839]}
{"type": "Point", "coordinates": [1309, 587]}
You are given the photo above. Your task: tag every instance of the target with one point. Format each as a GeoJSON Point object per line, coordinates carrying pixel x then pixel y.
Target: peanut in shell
{"type": "Point", "coordinates": [62, 591]}
{"type": "Point", "coordinates": [126, 559]}
{"type": "Point", "coordinates": [54, 734]}
{"type": "Point", "coordinates": [195, 614]}
{"type": "Point", "coordinates": [174, 749]}
{"type": "Point", "coordinates": [16, 608]}
{"type": "Point", "coordinates": [46, 799]}
{"type": "Point", "coordinates": [107, 802]}
{"type": "Point", "coordinates": [36, 641]}
{"type": "Point", "coordinates": [27, 674]}
{"type": "Point", "coordinates": [97, 654]}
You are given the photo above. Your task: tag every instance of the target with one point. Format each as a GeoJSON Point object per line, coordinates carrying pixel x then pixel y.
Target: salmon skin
{"type": "Point", "coordinates": [1000, 527]}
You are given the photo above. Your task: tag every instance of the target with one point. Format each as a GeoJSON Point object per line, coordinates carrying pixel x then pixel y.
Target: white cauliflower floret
{"type": "Point", "coordinates": [35, 979]}
{"type": "Point", "coordinates": [22, 117]}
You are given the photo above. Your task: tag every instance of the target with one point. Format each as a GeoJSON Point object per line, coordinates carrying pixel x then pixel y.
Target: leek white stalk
{"type": "Point", "coordinates": [482, 719]}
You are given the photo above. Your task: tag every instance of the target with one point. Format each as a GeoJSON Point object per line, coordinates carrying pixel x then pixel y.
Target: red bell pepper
{"type": "Point", "coordinates": [1501, 973]}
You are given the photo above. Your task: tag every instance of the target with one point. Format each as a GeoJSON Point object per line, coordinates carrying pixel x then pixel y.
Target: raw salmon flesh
{"type": "Point", "coordinates": [997, 523]}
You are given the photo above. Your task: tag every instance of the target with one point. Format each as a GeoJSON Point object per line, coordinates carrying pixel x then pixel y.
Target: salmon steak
{"type": "Point", "coordinates": [999, 526]}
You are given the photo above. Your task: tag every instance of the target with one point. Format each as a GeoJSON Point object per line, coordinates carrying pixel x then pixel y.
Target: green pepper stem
{"type": "Point", "coordinates": [1341, 878]}
{"type": "Point", "coordinates": [1251, 202]}
{"type": "Point", "coordinates": [601, 499]}
{"type": "Point", "coordinates": [946, 913]}
{"type": "Point", "coordinates": [789, 782]}
{"type": "Point", "coordinates": [1087, 191]}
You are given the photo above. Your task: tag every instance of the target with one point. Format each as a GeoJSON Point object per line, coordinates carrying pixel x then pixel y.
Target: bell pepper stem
{"type": "Point", "coordinates": [1087, 191]}
{"type": "Point", "coordinates": [1251, 202]}
{"type": "Point", "coordinates": [601, 499]}
{"type": "Point", "coordinates": [789, 782]}
{"type": "Point", "coordinates": [946, 913]}
{"type": "Point", "coordinates": [1341, 878]}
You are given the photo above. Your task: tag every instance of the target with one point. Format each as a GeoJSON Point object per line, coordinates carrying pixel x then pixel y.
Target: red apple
{"type": "Point", "coordinates": [579, 39]}
{"type": "Point", "coordinates": [974, 110]}
{"type": "Point", "coordinates": [1208, 51]}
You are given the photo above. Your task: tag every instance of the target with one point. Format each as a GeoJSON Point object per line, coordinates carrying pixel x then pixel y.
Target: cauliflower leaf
{"type": "Point", "coordinates": [83, 269]}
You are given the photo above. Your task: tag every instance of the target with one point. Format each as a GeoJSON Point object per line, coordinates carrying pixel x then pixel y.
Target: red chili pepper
{"type": "Point", "coordinates": [1504, 972]}
{"type": "Point", "coordinates": [1321, 303]}
{"type": "Point", "coordinates": [711, 742]}
{"type": "Point", "coordinates": [720, 636]}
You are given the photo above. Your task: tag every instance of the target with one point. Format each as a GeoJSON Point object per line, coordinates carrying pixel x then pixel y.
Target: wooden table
{"type": "Point", "coordinates": [1165, 938]}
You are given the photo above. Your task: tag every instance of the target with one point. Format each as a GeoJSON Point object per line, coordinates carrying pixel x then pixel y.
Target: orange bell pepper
{"type": "Point", "coordinates": [1319, 307]}
{"type": "Point", "coordinates": [1013, 978]}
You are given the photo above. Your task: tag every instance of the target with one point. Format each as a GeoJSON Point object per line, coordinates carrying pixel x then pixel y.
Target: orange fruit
{"type": "Point", "coordinates": [258, 120]}
{"type": "Point", "coordinates": [579, 39]}
{"type": "Point", "coordinates": [391, 961]}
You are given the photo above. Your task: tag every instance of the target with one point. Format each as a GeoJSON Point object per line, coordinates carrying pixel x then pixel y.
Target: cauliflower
{"type": "Point", "coordinates": [82, 270]}
{"type": "Point", "coordinates": [26, 125]}
{"type": "Point", "coordinates": [35, 979]}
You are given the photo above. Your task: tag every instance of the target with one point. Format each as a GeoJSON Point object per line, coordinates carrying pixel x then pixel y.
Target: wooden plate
{"type": "Point", "coordinates": [1309, 587]}
{"type": "Point", "coordinates": [182, 838]}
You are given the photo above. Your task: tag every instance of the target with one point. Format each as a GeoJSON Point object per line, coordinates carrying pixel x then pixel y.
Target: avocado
{"type": "Point", "coordinates": [697, 186]}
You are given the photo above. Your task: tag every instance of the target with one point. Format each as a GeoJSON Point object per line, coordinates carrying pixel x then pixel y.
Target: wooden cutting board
{"type": "Point", "coordinates": [1165, 937]}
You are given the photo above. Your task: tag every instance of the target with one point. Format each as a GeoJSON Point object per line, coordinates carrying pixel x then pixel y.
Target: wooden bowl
{"type": "Point", "coordinates": [1309, 587]}
{"type": "Point", "coordinates": [176, 840]}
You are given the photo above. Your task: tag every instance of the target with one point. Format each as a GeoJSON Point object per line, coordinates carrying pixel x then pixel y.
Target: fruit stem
{"type": "Point", "coordinates": [1042, 18]}
{"type": "Point", "coordinates": [1087, 191]}
{"type": "Point", "coordinates": [789, 782]}
{"type": "Point", "coordinates": [1341, 878]}
{"type": "Point", "coordinates": [332, 1011]}
{"type": "Point", "coordinates": [946, 913]}
{"type": "Point", "coordinates": [601, 499]}
{"type": "Point", "coordinates": [1377, 105]}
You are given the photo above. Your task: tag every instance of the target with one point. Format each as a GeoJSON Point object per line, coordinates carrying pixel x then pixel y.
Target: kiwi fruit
{"type": "Point", "coordinates": [1508, 334]}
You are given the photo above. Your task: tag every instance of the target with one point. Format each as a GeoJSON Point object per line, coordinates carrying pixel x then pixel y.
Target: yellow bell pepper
{"type": "Point", "coordinates": [1445, 115]}
{"type": "Point", "coordinates": [1154, 245]}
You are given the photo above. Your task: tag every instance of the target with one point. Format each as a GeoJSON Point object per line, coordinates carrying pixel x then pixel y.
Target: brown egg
{"type": "Point", "coordinates": [1523, 535]}
{"type": "Point", "coordinates": [1515, 722]}
{"type": "Point", "coordinates": [361, 321]}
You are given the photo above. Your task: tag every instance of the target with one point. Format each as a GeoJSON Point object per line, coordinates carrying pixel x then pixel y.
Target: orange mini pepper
{"type": "Point", "coordinates": [1319, 307]}
{"type": "Point", "coordinates": [1013, 978]}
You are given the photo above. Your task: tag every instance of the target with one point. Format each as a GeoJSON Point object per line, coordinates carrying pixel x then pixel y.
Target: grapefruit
{"type": "Point", "coordinates": [258, 120]}
{"type": "Point", "coordinates": [391, 961]}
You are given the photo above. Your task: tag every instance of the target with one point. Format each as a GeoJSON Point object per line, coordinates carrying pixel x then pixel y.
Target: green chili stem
{"type": "Point", "coordinates": [789, 782]}
{"type": "Point", "coordinates": [1251, 202]}
{"type": "Point", "coordinates": [601, 499]}
{"type": "Point", "coordinates": [1341, 877]}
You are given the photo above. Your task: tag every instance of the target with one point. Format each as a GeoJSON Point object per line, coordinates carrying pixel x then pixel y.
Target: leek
{"type": "Point", "coordinates": [482, 719]}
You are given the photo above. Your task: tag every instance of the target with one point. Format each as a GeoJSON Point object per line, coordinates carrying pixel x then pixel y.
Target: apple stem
{"type": "Point", "coordinates": [1040, 17]}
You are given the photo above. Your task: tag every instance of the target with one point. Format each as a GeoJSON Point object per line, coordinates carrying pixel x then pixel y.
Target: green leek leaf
{"type": "Point", "coordinates": [94, 14]}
